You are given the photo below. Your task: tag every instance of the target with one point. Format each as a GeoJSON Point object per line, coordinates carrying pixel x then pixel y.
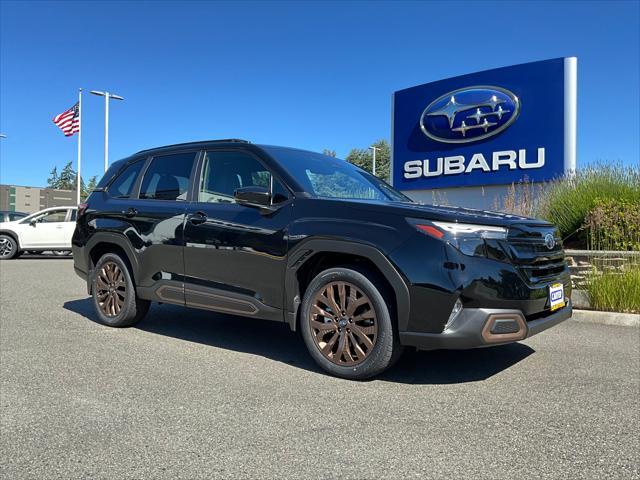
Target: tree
{"type": "Point", "coordinates": [87, 189]}
{"type": "Point", "coordinates": [52, 181]}
{"type": "Point", "coordinates": [330, 153]}
{"type": "Point", "coordinates": [93, 182]}
{"type": "Point", "coordinates": [363, 158]}
{"type": "Point", "coordinates": [67, 178]}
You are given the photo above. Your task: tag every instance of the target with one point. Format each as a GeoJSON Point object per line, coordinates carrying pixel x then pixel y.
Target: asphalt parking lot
{"type": "Point", "coordinates": [190, 394]}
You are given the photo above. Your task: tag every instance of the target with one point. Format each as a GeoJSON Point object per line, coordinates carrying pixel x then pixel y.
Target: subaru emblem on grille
{"type": "Point", "coordinates": [549, 241]}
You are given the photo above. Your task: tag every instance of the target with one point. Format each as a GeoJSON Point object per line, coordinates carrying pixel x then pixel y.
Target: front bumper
{"type": "Point", "coordinates": [484, 327]}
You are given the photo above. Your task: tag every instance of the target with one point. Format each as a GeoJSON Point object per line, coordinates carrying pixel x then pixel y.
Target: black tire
{"type": "Point", "coordinates": [120, 289]}
{"type": "Point", "coordinates": [8, 248]}
{"type": "Point", "coordinates": [386, 347]}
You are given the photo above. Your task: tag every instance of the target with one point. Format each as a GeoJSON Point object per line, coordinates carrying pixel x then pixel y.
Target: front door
{"type": "Point", "coordinates": [235, 255]}
{"type": "Point", "coordinates": [46, 230]}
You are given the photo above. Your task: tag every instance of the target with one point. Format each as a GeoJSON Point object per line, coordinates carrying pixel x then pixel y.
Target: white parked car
{"type": "Point", "coordinates": [47, 230]}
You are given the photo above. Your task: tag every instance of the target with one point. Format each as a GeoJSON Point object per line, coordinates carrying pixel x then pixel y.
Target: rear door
{"type": "Point", "coordinates": [68, 228]}
{"type": "Point", "coordinates": [235, 255]}
{"type": "Point", "coordinates": [153, 216]}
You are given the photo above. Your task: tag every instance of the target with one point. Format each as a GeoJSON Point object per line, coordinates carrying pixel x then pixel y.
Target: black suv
{"type": "Point", "coordinates": [299, 237]}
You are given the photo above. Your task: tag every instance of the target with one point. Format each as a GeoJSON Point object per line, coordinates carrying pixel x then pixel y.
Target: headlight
{"type": "Point", "coordinates": [466, 237]}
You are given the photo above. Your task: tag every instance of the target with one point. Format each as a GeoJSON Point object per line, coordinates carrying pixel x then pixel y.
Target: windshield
{"type": "Point", "coordinates": [329, 177]}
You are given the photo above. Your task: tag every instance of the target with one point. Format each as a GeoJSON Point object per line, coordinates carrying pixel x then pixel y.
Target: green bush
{"type": "Point", "coordinates": [568, 201]}
{"type": "Point", "coordinates": [613, 225]}
{"type": "Point", "coordinates": [615, 291]}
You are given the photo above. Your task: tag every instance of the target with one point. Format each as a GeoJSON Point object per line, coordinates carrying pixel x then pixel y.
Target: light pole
{"type": "Point", "coordinates": [374, 157]}
{"type": "Point", "coordinates": [106, 96]}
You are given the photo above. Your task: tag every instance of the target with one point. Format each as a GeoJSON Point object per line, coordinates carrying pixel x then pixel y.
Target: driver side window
{"type": "Point", "coordinates": [53, 216]}
{"type": "Point", "coordinates": [224, 172]}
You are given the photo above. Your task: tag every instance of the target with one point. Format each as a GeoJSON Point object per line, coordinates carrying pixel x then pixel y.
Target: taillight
{"type": "Point", "coordinates": [82, 208]}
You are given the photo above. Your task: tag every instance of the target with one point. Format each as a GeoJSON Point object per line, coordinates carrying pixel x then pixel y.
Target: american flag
{"type": "Point", "coordinates": [69, 121]}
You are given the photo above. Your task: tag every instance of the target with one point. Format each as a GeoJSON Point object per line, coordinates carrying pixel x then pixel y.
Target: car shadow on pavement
{"type": "Point", "coordinates": [42, 257]}
{"type": "Point", "coordinates": [274, 340]}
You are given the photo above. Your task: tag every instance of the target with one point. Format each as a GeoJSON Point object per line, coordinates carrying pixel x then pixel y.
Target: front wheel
{"type": "Point", "coordinates": [114, 295]}
{"type": "Point", "coordinates": [347, 326]}
{"type": "Point", "coordinates": [8, 247]}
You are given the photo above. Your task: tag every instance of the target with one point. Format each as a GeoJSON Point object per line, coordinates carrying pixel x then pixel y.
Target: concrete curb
{"type": "Point", "coordinates": [607, 318]}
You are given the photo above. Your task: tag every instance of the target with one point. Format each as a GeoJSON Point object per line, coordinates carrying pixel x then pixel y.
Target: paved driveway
{"type": "Point", "coordinates": [190, 394]}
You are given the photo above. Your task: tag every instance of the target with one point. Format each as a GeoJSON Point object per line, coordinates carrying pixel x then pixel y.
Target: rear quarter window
{"type": "Point", "coordinates": [122, 186]}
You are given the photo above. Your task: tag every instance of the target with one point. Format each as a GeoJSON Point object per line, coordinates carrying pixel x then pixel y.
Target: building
{"type": "Point", "coordinates": [16, 198]}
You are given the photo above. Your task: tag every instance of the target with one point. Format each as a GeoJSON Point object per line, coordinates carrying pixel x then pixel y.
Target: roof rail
{"type": "Point", "coordinates": [233, 140]}
{"type": "Point", "coordinates": [200, 142]}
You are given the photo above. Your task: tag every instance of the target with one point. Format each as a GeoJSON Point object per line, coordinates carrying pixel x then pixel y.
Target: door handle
{"type": "Point", "coordinates": [197, 218]}
{"type": "Point", "coordinates": [130, 212]}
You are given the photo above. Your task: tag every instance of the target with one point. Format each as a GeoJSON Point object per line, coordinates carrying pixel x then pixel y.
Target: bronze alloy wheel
{"type": "Point", "coordinates": [343, 323]}
{"type": "Point", "coordinates": [111, 289]}
{"type": "Point", "coordinates": [6, 247]}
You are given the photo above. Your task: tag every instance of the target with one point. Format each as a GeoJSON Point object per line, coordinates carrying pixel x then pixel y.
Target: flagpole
{"type": "Point", "coordinates": [79, 144]}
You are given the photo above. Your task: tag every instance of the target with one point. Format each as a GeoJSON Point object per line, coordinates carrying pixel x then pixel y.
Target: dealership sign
{"type": "Point", "coordinates": [488, 128]}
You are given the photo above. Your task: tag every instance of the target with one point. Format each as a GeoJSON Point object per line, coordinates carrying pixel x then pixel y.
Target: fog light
{"type": "Point", "coordinates": [457, 308]}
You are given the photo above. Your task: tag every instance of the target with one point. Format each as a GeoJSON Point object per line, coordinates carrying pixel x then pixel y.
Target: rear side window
{"type": "Point", "coordinates": [121, 187]}
{"type": "Point", "coordinates": [16, 216]}
{"type": "Point", "coordinates": [167, 177]}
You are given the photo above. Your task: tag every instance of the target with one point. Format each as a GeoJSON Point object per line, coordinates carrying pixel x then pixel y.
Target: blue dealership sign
{"type": "Point", "coordinates": [487, 128]}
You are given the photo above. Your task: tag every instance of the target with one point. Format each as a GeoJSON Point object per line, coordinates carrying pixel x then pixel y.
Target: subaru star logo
{"type": "Point", "coordinates": [549, 241]}
{"type": "Point", "coordinates": [470, 114]}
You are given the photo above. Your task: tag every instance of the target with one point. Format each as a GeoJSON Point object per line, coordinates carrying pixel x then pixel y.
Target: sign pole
{"type": "Point", "coordinates": [79, 179]}
{"type": "Point", "coordinates": [374, 159]}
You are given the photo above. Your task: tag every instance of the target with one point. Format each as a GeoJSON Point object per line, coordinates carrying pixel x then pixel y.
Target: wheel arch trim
{"type": "Point", "coordinates": [115, 239]}
{"type": "Point", "coordinates": [11, 234]}
{"type": "Point", "coordinates": [306, 249]}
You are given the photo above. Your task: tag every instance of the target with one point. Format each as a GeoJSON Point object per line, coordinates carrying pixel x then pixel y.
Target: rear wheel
{"type": "Point", "coordinates": [347, 326]}
{"type": "Point", "coordinates": [114, 295]}
{"type": "Point", "coordinates": [8, 247]}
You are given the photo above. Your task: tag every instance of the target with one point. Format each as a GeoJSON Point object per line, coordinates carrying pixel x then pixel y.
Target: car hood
{"type": "Point", "coordinates": [10, 225]}
{"type": "Point", "coordinates": [446, 213]}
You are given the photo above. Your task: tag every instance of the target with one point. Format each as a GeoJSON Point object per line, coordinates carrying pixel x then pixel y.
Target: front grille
{"type": "Point", "coordinates": [527, 250]}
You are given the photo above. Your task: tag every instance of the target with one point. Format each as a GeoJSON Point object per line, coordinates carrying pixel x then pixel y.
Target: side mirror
{"type": "Point", "coordinates": [33, 222]}
{"type": "Point", "coordinates": [254, 195]}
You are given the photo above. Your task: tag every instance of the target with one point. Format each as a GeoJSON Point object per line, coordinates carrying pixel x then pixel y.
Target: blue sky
{"type": "Point", "coordinates": [307, 74]}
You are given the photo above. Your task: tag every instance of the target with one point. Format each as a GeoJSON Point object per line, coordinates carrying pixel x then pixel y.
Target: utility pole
{"type": "Point", "coordinates": [106, 96]}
